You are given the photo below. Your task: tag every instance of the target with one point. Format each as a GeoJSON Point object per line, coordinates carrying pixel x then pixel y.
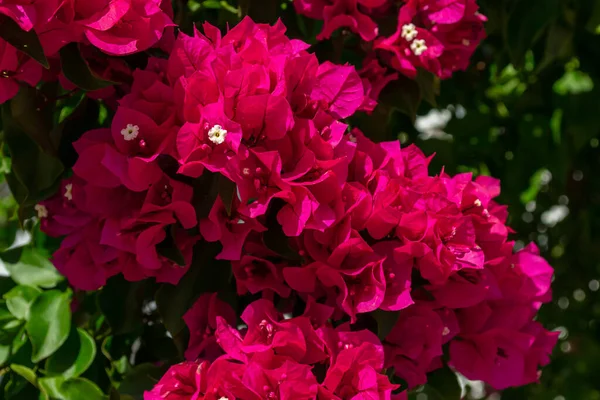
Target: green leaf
{"type": "Point", "coordinates": [385, 321]}
{"type": "Point", "coordinates": [4, 353]}
{"type": "Point", "coordinates": [34, 116]}
{"type": "Point", "coordinates": [27, 42]}
{"type": "Point", "coordinates": [34, 173]}
{"type": "Point", "coordinates": [141, 378]}
{"type": "Point", "coordinates": [77, 70]}
{"type": "Point", "coordinates": [80, 388]}
{"type": "Point", "coordinates": [559, 45]}
{"type": "Point", "coordinates": [429, 86]}
{"type": "Point", "coordinates": [168, 247]}
{"type": "Point", "coordinates": [227, 192]}
{"type": "Point", "coordinates": [442, 384]}
{"type": "Point", "coordinates": [403, 94]}
{"type": "Point", "coordinates": [51, 386]}
{"type": "Point", "coordinates": [26, 373]}
{"type": "Point", "coordinates": [115, 395]}
{"type": "Point", "coordinates": [49, 323]}
{"type": "Point", "coordinates": [19, 300]}
{"type": "Point", "coordinates": [524, 27]}
{"type": "Point", "coordinates": [74, 357]}
{"type": "Point", "coordinates": [121, 303]}
{"type": "Point", "coordinates": [34, 270]}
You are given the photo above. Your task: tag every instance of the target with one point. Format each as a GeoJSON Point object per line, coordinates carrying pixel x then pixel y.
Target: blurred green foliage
{"type": "Point", "coordinates": [527, 112]}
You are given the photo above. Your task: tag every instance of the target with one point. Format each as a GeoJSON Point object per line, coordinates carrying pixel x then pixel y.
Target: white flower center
{"type": "Point", "coordinates": [409, 32]}
{"type": "Point", "coordinates": [446, 331]}
{"type": "Point", "coordinates": [42, 211]}
{"type": "Point", "coordinates": [477, 203]}
{"type": "Point", "coordinates": [466, 42]}
{"type": "Point", "coordinates": [130, 132]}
{"type": "Point", "coordinates": [223, 398]}
{"type": "Point", "coordinates": [352, 138]}
{"type": "Point", "coordinates": [418, 47]}
{"type": "Point", "coordinates": [69, 191]}
{"type": "Point", "coordinates": [217, 134]}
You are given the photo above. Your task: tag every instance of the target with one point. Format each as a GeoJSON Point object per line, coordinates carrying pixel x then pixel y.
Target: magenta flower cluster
{"type": "Point", "coordinates": [115, 27]}
{"type": "Point", "coordinates": [371, 231]}
{"type": "Point", "coordinates": [437, 35]}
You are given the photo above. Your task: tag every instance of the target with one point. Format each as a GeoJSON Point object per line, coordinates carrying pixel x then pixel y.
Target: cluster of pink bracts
{"type": "Point", "coordinates": [372, 230]}
{"type": "Point", "coordinates": [437, 35]}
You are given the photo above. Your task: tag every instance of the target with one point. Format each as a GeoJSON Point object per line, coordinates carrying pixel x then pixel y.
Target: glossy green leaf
{"type": "Point", "coordinates": [121, 303]}
{"type": "Point", "coordinates": [141, 378]}
{"type": "Point", "coordinates": [442, 384]}
{"type": "Point", "coordinates": [404, 95]}
{"type": "Point", "coordinates": [27, 42]}
{"type": "Point", "coordinates": [26, 373]}
{"type": "Point", "coordinates": [227, 192]}
{"type": "Point", "coordinates": [51, 386]}
{"type": "Point", "coordinates": [385, 322]}
{"type": "Point", "coordinates": [49, 323]}
{"type": "Point", "coordinates": [19, 300]}
{"type": "Point", "coordinates": [34, 173]}
{"type": "Point", "coordinates": [74, 357]}
{"type": "Point", "coordinates": [77, 70]}
{"type": "Point", "coordinates": [79, 389]}
{"type": "Point", "coordinates": [524, 27]}
{"type": "Point", "coordinates": [33, 269]}
{"type": "Point", "coordinates": [33, 114]}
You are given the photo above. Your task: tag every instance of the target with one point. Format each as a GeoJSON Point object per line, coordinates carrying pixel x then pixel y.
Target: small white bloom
{"type": "Point", "coordinates": [352, 138]}
{"type": "Point", "coordinates": [223, 398]}
{"type": "Point", "coordinates": [477, 203]}
{"type": "Point", "coordinates": [409, 32]}
{"type": "Point", "coordinates": [69, 191]}
{"type": "Point", "coordinates": [466, 42]}
{"type": "Point", "coordinates": [418, 47]}
{"type": "Point", "coordinates": [446, 331]}
{"type": "Point", "coordinates": [217, 134]}
{"type": "Point", "coordinates": [42, 211]}
{"type": "Point", "coordinates": [130, 132]}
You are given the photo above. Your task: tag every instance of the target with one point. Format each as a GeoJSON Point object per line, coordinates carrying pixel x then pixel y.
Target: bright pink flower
{"type": "Point", "coordinates": [181, 382]}
{"type": "Point", "coordinates": [254, 274]}
{"type": "Point", "coordinates": [353, 276]}
{"type": "Point", "coordinates": [15, 67]}
{"type": "Point", "coordinates": [375, 78]}
{"type": "Point", "coordinates": [525, 276]}
{"type": "Point", "coordinates": [267, 330]}
{"type": "Point", "coordinates": [121, 27]}
{"type": "Point", "coordinates": [65, 212]}
{"type": "Point", "coordinates": [343, 338]}
{"type": "Point", "coordinates": [356, 375]}
{"type": "Point", "coordinates": [102, 164]}
{"type": "Point", "coordinates": [229, 229]}
{"type": "Point", "coordinates": [30, 13]}
{"type": "Point", "coordinates": [166, 211]}
{"type": "Point", "coordinates": [209, 144]}
{"type": "Point", "coordinates": [289, 381]}
{"type": "Point", "coordinates": [85, 262]}
{"type": "Point", "coordinates": [437, 35]}
{"type": "Point", "coordinates": [397, 270]}
{"type": "Point", "coordinates": [201, 320]}
{"type": "Point", "coordinates": [346, 14]}
{"type": "Point", "coordinates": [414, 342]}
{"type": "Point", "coordinates": [340, 88]}
{"type": "Point", "coordinates": [502, 357]}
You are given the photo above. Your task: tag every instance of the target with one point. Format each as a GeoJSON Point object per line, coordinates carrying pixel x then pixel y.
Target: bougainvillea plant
{"type": "Point", "coordinates": [223, 182]}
